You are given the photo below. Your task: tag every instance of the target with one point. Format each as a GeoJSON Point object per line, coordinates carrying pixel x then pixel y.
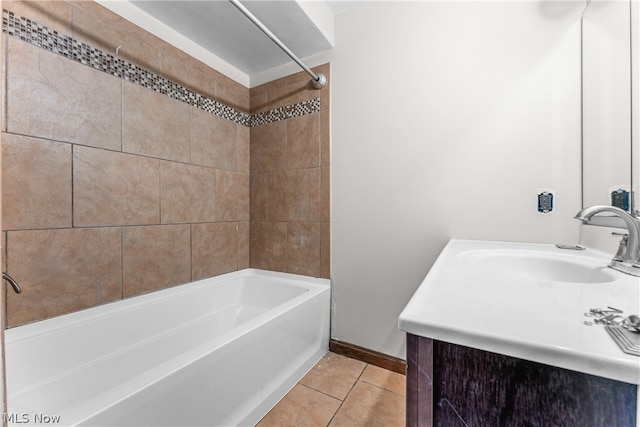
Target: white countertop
{"type": "Point", "coordinates": [463, 303]}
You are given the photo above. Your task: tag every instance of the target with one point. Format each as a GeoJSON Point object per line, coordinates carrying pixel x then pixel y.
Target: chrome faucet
{"type": "Point", "coordinates": [627, 259]}
{"type": "Point", "coordinates": [12, 282]}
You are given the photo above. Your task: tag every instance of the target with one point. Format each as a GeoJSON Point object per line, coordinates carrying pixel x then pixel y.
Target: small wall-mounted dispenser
{"type": "Point", "coordinates": [621, 197]}
{"type": "Point", "coordinates": [546, 200]}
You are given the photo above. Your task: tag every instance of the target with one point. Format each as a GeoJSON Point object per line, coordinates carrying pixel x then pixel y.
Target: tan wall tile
{"type": "Point", "coordinates": [269, 245]}
{"type": "Point", "coordinates": [325, 138]}
{"type": "Point", "coordinates": [325, 194]}
{"type": "Point", "coordinates": [101, 28]}
{"type": "Point", "coordinates": [277, 94]}
{"type": "Point", "coordinates": [167, 49]}
{"type": "Point", "coordinates": [179, 70]}
{"type": "Point", "coordinates": [259, 197]}
{"type": "Point", "coordinates": [289, 195]}
{"type": "Point", "coordinates": [188, 193]}
{"type": "Point", "coordinates": [149, 43]}
{"type": "Point", "coordinates": [4, 251]}
{"type": "Point", "coordinates": [114, 188]}
{"type": "Point", "coordinates": [61, 271]}
{"type": "Point", "coordinates": [314, 194]}
{"type": "Point", "coordinates": [244, 148]}
{"type": "Point", "coordinates": [200, 66]}
{"type": "Point", "coordinates": [97, 26]}
{"type": "Point", "coordinates": [259, 102]}
{"type": "Point", "coordinates": [154, 124]}
{"type": "Point", "coordinates": [55, 15]}
{"type": "Point", "coordinates": [213, 141]}
{"type": "Point", "coordinates": [269, 147]}
{"type": "Point", "coordinates": [214, 249]}
{"type": "Point", "coordinates": [232, 94]}
{"type": "Point", "coordinates": [152, 41]}
{"type": "Point", "coordinates": [97, 11]}
{"type": "Point", "coordinates": [244, 230]}
{"type": "Point", "coordinates": [297, 191]}
{"type": "Point", "coordinates": [36, 183]}
{"type": "Point", "coordinates": [3, 79]}
{"type": "Point", "coordinates": [268, 87]}
{"type": "Point", "coordinates": [299, 79]}
{"type": "Point", "coordinates": [290, 94]}
{"type": "Point", "coordinates": [166, 55]}
{"type": "Point", "coordinates": [232, 196]}
{"type": "Point", "coordinates": [155, 257]}
{"type": "Point", "coordinates": [290, 90]}
{"type": "Point", "coordinates": [303, 248]}
{"type": "Point", "coordinates": [303, 141]}
{"type": "Point", "coordinates": [51, 97]}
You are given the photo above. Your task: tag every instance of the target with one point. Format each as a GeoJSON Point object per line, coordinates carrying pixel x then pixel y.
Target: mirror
{"type": "Point", "coordinates": [610, 153]}
{"type": "Point", "coordinates": [635, 106]}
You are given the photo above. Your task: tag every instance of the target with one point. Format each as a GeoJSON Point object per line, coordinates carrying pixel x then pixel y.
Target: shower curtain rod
{"type": "Point", "coordinates": [318, 80]}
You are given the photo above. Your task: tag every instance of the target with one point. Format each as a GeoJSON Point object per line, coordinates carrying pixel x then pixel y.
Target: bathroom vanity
{"type": "Point", "coordinates": [502, 334]}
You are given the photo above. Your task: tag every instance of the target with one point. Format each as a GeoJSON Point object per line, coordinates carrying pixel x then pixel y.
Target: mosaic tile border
{"type": "Point", "coordinates": [30, 31]}
{"type": "Point", "coordinates": [287, 112]}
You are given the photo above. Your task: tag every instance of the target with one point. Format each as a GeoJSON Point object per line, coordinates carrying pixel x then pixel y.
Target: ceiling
{"type": "Point", "coordinates": [220, 28]}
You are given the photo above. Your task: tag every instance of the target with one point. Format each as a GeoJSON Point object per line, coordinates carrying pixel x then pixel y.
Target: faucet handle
{"type": "Point", "coordinates": [622, 249]}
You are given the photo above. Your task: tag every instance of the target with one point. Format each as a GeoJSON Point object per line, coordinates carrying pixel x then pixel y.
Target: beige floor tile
{"type": "Point", "coordinates": [385, 379]}
{"type": "Point", "coordinates": [334, 375]}
{"type": "Point", "coordinates": [301, 407]}
{"type": "Point", "coordinates": [370, 406]}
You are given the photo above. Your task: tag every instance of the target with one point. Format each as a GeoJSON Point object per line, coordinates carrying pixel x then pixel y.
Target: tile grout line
{"type": "Point", "coordinates": [381, 387]}
{"type": "Point", "coordinates": [347, 395]}
{"type": "Point", "coordinates": [319, 391]}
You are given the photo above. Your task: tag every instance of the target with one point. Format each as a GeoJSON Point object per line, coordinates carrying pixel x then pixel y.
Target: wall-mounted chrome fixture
{"type": "Point", "coordinates": [12, 282]}
{"type": "Point", "coordinates": [318, 80]}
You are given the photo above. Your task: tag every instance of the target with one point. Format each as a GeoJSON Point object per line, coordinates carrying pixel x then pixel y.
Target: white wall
{"type": "Point", "coordinates": [446, 119]}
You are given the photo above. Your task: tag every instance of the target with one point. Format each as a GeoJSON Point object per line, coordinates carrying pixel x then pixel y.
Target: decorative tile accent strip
{"type": "Point", "coordinates": [287, 112]}
{"type": "Point", "coordinates": [39, 35]}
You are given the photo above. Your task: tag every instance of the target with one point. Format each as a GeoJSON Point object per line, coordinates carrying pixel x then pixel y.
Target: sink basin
{"type": "Point", "coordinates": [541, 266]}
{"type": "Point", "coordinates": [526, 300]}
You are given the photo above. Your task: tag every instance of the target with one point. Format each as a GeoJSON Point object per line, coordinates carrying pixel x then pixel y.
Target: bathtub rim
{"type": "Point", "coordinates": [32, 329]}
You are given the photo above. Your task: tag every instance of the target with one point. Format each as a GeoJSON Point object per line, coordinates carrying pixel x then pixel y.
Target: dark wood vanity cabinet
{"type": "Point", "coordinates": [450, 385]}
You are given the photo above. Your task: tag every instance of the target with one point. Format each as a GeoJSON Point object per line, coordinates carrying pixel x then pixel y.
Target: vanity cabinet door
{"type": "Point", "coordinates": [451, 385]}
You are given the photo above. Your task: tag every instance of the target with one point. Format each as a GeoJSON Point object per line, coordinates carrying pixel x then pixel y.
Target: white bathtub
{"type": "Point", "coordinates": [217, 352]}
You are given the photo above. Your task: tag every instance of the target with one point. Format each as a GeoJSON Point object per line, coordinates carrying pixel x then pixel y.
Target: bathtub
{"type": "Point", "coordinates": [217, 352]}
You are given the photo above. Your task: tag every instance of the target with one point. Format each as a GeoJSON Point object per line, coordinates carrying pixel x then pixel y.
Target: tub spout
{"type": "Point", "coordinates": [12, 282]}
{"type": "Point", "coordinates": [627, 259]}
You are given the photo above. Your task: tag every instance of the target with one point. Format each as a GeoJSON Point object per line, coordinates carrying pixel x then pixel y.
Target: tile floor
{"type": "Point", "coordinates": [340, 391]}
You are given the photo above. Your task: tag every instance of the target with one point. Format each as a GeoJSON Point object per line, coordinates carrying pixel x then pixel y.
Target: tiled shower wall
{"type": "Point", "coordinates": [110, 189]}
{"type": "Point", "coordinates": [290, 180]}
